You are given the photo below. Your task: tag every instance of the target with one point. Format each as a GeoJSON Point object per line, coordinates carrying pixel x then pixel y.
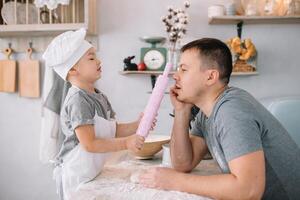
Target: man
{"type": "Point", "coordinates": [257, 157]}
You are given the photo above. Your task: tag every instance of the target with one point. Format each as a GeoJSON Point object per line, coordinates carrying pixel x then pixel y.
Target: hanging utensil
{"type": "Point", "coordinates": [8, 71]}
{"type": "Point", "coordinates": [29, 77]}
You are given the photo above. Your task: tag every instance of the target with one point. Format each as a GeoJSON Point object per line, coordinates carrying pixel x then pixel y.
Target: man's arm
{"type": "Point", "coordinates": [246, 180]}
{"type": "Point", "coordinates": [86, 137]}
{"type": "Point", "coordinates": [186, 151]}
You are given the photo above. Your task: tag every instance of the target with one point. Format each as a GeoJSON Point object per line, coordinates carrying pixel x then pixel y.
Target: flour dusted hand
{"type": "Point", "coordinates": [159, 178]}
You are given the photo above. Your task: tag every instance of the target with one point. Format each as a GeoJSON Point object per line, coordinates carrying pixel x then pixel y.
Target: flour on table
{"type": "Point", "coordinates": [134, 178]}
{"type": "Point", "coordinates": [118, 182]}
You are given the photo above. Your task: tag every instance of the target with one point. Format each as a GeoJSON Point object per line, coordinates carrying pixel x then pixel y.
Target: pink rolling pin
{"type": "Point", "coordinates": [154, 102]}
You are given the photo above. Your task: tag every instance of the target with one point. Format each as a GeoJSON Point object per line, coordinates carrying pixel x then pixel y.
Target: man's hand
{"type": "Point", "coordinates": [134, 142]}
{"type": "Point", "coordinates": [159, 178]}
{"type": "Point", "coordinates": [177, 104]}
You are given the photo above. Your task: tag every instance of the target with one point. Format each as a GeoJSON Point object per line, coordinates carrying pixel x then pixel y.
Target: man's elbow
{"type": "Point", "coordinates": [253, 193]}
{"type": "Point", "coordinates": [251, 196]}
{"type": "Point", "coordinates": [185, 168]}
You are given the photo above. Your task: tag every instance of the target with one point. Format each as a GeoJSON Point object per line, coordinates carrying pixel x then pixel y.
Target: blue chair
{"type": "Point", "coordinates": [287, 111]}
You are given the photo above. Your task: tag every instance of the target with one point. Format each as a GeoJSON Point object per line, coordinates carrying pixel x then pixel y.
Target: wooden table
{"type": "Point", "coordinates": [114, 181]}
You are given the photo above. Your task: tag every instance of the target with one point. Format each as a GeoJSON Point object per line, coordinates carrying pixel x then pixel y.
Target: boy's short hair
{"type": "Point", "coordinates": [214, 53]}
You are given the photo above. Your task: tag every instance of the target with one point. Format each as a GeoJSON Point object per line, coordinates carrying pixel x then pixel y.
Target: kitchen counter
{"type": "Point", "coordinates": [114, 181]}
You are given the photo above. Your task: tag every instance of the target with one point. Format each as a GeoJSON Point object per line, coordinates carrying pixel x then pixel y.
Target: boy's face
{"type": "Point", "coordinates": [191, 78]}
{"type": "Point", "coordinates": [88, 67]}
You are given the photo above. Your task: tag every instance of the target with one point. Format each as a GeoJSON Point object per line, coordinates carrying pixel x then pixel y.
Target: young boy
{"type": "Point", "coordinates": [87, 118]}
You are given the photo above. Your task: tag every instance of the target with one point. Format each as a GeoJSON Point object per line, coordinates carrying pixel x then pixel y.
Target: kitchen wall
{"type": "Point", "coordinates": [121, 23]}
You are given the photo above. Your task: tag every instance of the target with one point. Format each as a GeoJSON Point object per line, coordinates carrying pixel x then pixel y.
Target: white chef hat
{"type": "Point", "coordinates": [65, 50]}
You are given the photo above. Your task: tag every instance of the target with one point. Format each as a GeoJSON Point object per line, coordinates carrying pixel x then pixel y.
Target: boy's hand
{"type": "Point", "coordinates": [153, 123]}
{"type": "Point", "coordinates": [134, 142]}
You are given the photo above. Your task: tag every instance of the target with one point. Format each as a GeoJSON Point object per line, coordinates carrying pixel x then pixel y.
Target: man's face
{"type": "Point", "coordinates": [191, 77]}
{"type": "Point", "coordinates": [88, 67]}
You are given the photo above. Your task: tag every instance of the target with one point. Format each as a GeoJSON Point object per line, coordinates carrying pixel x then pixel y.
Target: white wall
{"type": "Point", "coordinates": [121, 24]}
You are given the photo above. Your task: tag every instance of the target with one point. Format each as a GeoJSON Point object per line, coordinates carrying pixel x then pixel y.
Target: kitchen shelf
{"type": "Point", "coordinates": [255, 19]}
{"type": "Point", "coordinates": [78, 14]}
{"type": "Point", "coordinates": [160, 72]}
{"type": "Point", "coordinates": [39, 29]}
{"type": "Point", "coordinates": [154, 74]}
{"type": "Point", "coordinates": [244, 73]}
{"type": "Point", "coordinates": [144, 72]}
{"type": "Point", "coordinates": [40, 32]}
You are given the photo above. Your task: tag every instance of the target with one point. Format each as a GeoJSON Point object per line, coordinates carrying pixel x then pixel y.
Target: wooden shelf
{"type": "Point", "coordinates": [153, 74]}
{"type": "Point", "coordinates": [255, 19]}
{"type": "Point", "coordinates": [244, 73]}
{"type": "Point", "coordinates": [144, 72]}
{"type": "Point", "coordinates": [160, 72]}
{"type": "Point", "coordinates": [38, 29]}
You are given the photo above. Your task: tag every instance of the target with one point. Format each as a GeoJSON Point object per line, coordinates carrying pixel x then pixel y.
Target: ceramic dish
{"type": "Point", "coordinates": [8, 10]}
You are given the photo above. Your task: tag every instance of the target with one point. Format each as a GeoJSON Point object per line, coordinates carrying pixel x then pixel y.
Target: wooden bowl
{"type": "Point", "coordinates": [153, 144]}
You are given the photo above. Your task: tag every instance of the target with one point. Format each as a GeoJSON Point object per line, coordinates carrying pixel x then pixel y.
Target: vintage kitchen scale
{"type": "Point", "coordinates": [154, 57]}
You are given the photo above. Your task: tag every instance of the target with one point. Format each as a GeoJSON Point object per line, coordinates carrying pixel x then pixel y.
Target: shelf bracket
{"type": "Point", "coordinates": [239, 27]}
{"type": "Point", "coordinates": [153, 80]}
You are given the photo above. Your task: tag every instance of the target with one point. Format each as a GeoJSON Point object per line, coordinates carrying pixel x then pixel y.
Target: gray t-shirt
{"type": "Point", "coordinates": [239, 125]}
{"type": "Point", "coordinates": [80, 108]}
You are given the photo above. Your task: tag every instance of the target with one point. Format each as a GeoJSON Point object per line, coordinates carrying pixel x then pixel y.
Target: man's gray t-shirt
{"type": "Point", "coordinates": [80, 108]}
{"type": "Point", "coordinates": [239, 125]}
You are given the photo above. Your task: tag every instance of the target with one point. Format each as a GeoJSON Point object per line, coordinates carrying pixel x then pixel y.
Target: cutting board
{"type": "Point", "coordinates": [29, 77]}
{"type": "Point", "coordinates": [8, 70]}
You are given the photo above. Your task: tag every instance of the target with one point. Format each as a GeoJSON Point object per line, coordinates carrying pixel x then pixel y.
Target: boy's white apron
{"type": "Point", "coordinates": [80, 166]}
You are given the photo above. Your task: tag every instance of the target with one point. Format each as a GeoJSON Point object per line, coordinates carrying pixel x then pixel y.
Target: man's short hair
{"type": "Point", "coordinates": [215, 54]}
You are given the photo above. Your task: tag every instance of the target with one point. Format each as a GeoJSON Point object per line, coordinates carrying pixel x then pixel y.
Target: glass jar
{"type": "Point", "coordinates": [269, 8]}
{"type": "Point", "coordinates": [250, 7]}
{"type": "Point", "coordinates": [174, 55]}
{"type": "Point", "coordinates": [238, 7]}
{"type": "Point", "coordinates": [290, 6]}
{"type": "Point", "coordinates": [297, 7]}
